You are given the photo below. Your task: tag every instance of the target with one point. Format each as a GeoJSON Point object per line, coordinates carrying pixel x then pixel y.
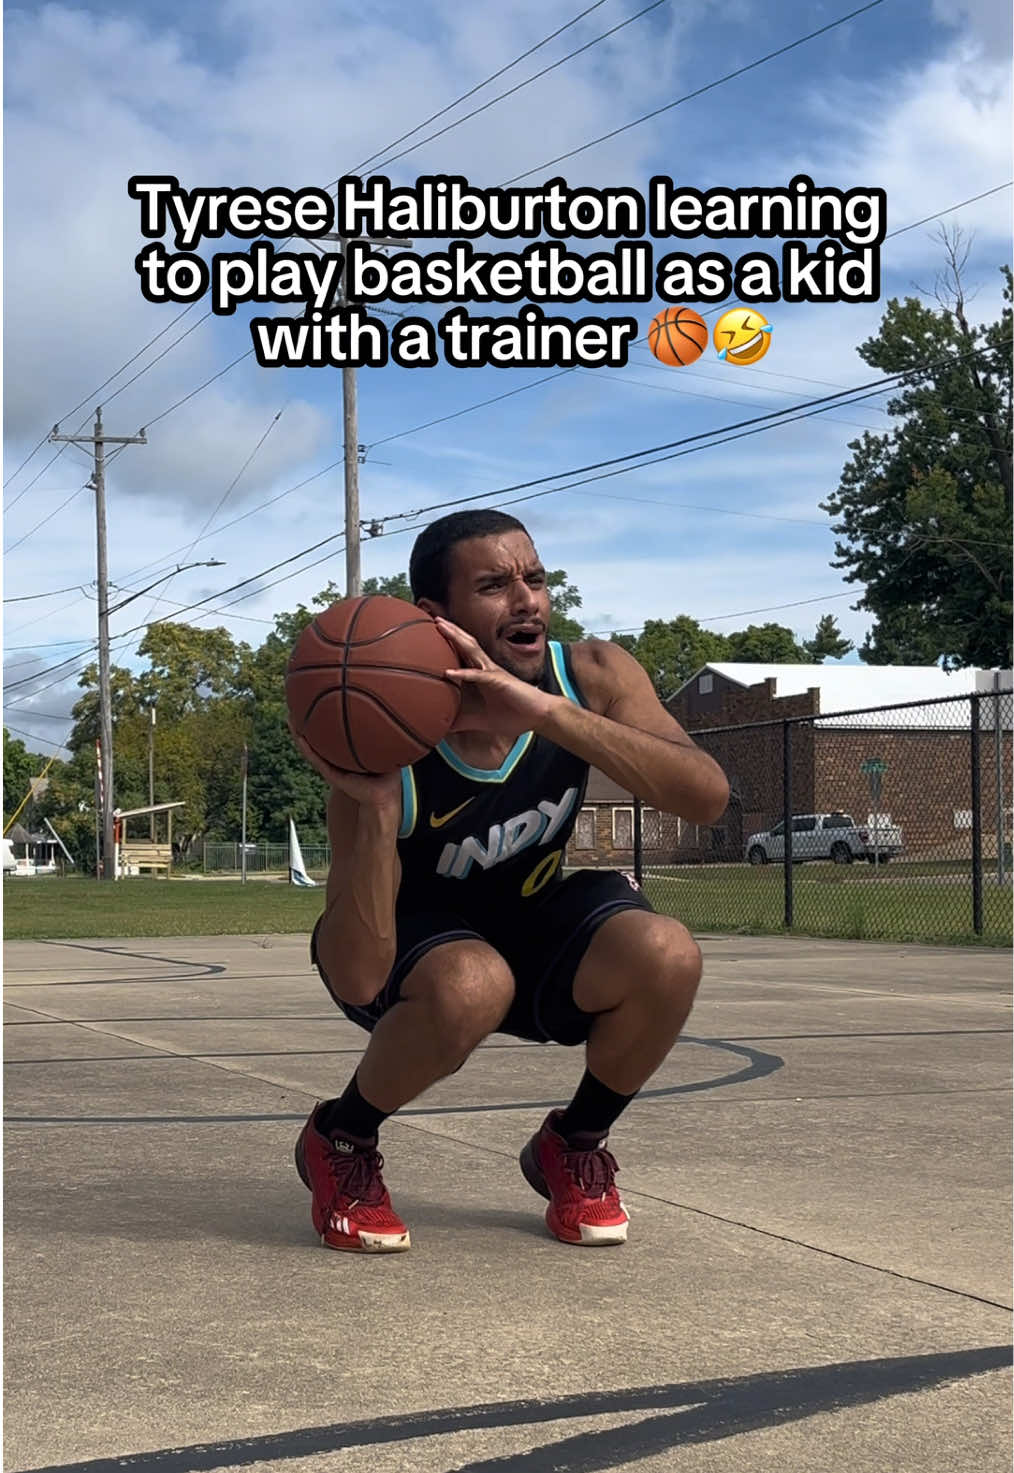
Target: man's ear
{"type": "Point", "coordinates": [430, 606]}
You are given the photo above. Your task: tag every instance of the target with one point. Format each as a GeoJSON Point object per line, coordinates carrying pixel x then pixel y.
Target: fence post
{"type": "Point", "coordinates": [1001, 827]}
{"type": "Point", "coordinates": [638, 843]}
{"type": "Point", "coordinates": [976, 755]}
{"type": "Point", "coordinates": [204, 855]}
{"type": "Point", "coordinates": [787, 817]}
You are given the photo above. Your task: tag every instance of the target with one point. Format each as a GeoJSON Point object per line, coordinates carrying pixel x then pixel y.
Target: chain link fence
{"type": "Point", "coordinates": [893, 823]}
{"type": "Point", "coordinates": [262, 859]}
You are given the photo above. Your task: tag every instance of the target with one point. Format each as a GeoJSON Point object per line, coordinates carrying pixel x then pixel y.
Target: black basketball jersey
{"type": "Point", "coordinates": [472, 839]}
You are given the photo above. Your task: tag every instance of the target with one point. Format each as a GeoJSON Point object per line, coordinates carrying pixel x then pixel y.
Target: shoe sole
{"type": "Point", "coordinates": [591, 1236]}
{"type": "Point", "coordinates": [362, 1242]}
{"type": "Point", "coordinates": [532, 1171]}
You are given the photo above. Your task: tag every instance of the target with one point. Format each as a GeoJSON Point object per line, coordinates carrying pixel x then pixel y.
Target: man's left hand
{"type": "Point", "coordinates": [492, 700]}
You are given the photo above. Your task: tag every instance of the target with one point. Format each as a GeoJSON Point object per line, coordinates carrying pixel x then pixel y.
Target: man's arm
{"type": "Point", "coordinates": [356, 939]}
{"type": "Point", "coordinates": [628, 733]}
{"type": "Point", "coordinates": [630, 736]}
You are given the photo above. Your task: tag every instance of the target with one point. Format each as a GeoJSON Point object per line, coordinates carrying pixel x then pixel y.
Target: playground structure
{"type": "Point", "coordinates": [134, 856]}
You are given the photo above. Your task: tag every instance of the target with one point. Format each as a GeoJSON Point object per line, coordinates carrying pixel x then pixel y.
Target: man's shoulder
{"type": "Point", "coordinates": [596, 664]}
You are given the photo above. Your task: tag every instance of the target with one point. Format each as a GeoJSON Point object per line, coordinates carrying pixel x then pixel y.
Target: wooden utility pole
{"type": "Point", "coordinates": [350, 435]}
{"type": "Point", "coordinates": [350, 430]}
{"type": "Point", "coordinates": [98, 441]}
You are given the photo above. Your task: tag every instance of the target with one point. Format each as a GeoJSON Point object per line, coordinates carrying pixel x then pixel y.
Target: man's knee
{"type": "Point", "coordinates": [466, 988]}
{"type": "Point", "coordinates": [668, 961]}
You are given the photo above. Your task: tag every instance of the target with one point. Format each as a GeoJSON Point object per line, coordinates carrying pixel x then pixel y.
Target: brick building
{"type": "Point", "coordinates": [926, 783]}
{"type": "Point", "coordinates": [926, 787]}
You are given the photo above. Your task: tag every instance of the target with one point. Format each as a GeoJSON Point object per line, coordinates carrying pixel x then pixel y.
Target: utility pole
{"type": "Point", "coordinates": [350, 432]}
{"type": "Point", "coordinates": [151, 772]}
{"type": "Point", "coordinates": [98, 441]}
{"type": "Point", "coordinates": [243, 769]}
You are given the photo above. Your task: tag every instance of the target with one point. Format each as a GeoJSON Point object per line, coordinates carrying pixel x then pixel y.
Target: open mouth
{"type": "Point", "coordinates": [747, 347]}
{"type": "Point", "coordinates": [525, 638]}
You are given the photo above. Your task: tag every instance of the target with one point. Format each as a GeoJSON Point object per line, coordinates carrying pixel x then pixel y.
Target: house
{"type": "Point", "coordinates": [28, 853]}
{"type": "Point", "coordinates": [736, 711]}
{"type": "Point", "coordinates": [917, 734]}
{"type": "Point", "coordinates": [604, 831]}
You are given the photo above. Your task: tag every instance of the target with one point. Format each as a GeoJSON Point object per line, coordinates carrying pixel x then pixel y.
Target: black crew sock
{"type": "Point", "coordinates": [351, 1116]}
{"type": "Point", "coordinates": [592, 1111]}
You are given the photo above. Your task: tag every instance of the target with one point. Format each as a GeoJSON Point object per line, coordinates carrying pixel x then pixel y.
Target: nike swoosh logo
{"type": "Point", "coordinates": [438, 823]}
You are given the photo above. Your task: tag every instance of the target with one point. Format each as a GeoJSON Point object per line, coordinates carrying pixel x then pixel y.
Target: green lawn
{"type": "Point", "coordinates": [852, 903]}
{"type": "Point", "coordinates": [54, 908]}
{"type": "Point", "coordinates": [832, 900]}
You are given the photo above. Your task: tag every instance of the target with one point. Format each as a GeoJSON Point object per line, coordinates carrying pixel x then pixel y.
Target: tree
{"type": "Point", "coordinates": [394, 587]}
{"type": "Point", "coordinates": [188, 667]}
{"type": "Point", "coordinates": [828, 643]}
{"type": "Point", "coordinates": [766, 644]}
{"type": "Point", "coordinates": [671, 650]}
{"type": "Point", "coordinates": [924, 511]}
{"type": "Point", "coordinates": [563, 597]}
{"type": "Point", "coordinates": [20, 766]}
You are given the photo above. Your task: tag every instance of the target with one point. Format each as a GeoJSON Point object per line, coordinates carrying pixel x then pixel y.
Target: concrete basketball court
{"type": "Point", "coordinates": [817, 1276]}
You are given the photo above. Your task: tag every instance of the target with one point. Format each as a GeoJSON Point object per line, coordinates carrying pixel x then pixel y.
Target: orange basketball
{"type": "Point", "coordinates": [678, 336]}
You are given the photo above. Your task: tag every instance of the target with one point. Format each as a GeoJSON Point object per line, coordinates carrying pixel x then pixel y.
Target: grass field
{"type": "Point", "coordinates": [829, 901]}
{"type": "Point", "coordinates": [54, 908]}
{"type": "Point", "coordinates": [832, 900]}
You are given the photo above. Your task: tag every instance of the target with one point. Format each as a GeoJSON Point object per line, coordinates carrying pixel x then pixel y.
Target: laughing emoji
{"type": "Point", "coordinates": [742, 335]}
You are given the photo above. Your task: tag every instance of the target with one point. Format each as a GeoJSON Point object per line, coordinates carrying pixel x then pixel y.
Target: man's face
{"type": "Point", "coordinates": [497, 593]}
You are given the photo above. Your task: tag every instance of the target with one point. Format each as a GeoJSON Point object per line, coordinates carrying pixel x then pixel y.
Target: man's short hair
{"type": "Point", "coordinates": [429, 568]}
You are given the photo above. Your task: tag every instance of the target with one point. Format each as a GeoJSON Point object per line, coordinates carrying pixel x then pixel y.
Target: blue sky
{"type": "Point", "coordinates": [911, 98]}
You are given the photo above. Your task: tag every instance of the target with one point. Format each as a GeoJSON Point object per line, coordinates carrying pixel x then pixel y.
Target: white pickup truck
{"type": "Point", "coordinates": [834, 836]}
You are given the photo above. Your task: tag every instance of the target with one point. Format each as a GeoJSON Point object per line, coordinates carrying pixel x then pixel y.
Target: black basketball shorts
{"type": "Point", "coordinates": [542, 942]}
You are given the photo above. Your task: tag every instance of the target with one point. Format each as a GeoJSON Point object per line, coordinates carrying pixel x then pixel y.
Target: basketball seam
{"type": "Point", "coordinates": [668, 323]}
{"type": "Point", "coordinates": [372, 639]}
{"type": "Point", "coordinates": [359, 690]}
{"type": "Point", "coordinates": [345, 704]}
{"type": "Point", "coordinates": [394, 715]}
{"type": "Point", "coordinates": [398, 670]}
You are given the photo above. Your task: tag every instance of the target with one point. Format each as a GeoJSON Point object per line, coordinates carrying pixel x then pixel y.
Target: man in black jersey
{"type": "Point", "coordinates": [447, 915]}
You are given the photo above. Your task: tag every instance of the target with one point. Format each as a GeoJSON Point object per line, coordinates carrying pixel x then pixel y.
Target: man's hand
{"type": "Point", "coordinates": [492, 700]}
{"type": "Point", "coordinates": [381, 792]}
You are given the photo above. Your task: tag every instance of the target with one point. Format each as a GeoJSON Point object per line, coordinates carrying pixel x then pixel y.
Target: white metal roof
{"type": "Point", "coordinates": [855, 687]}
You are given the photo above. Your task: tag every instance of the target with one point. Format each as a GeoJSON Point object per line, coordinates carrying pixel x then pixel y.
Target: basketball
{"type": "Point", "coordinates": [678, 336]}
{"type": "Point", "coordinates": [365, 684]}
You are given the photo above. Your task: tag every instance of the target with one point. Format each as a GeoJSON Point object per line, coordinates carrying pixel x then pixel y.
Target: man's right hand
{"type": "Point", "coordinates": [381, 792]}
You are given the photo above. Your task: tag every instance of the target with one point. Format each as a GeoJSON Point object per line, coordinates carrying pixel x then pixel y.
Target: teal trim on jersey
{"type": "Point", "coordinates": [563, 680]}
{"type": "Point", "coordinates": [409, 803]}
{"type": "Point", "coordinates": [482, 774]}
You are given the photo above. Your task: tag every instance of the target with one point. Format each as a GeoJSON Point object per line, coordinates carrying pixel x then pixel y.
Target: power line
{"type": "Point", "coordinates": [393, 158]}
{"type": "Point", "coordinates": [740, 613]}
{"type": "Point", "coordinates": [708, 87]}
{"type": "Point", "coordinates": [951, 208]}
{"type": "Point", "coordinates": [469, 409]}
{"type": "Point", "coordinates": [89, 397]}
{"type": "Point", "coordinates": [618, 465]}
{"type": "Point", "coordinates": [787, 414]}
{"type": "Point", "coordinates": [637, 383]}
{"type": "Point", "coordinates": [179, 317]}
{"type": "Point", "coordinates": [222, 500]}
{"type": "Point", "coordinates": [58, 746]}
{"type": "Point", "coordinates": [52, 593]}
{"type": "Point", "coordinates": [55, 512]}
{"type": "Point", "coordinates": [478, 88]}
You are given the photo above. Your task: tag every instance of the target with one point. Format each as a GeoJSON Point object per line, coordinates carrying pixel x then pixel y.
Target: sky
{"type": "Point", "coordinates": [911, 98]}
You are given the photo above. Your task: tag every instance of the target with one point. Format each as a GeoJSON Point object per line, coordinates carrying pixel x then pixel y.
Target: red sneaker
{"type": "Point", "coordinates": [351, 1207]}
{"type": "Point", "coordinates": [584, 1205]}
